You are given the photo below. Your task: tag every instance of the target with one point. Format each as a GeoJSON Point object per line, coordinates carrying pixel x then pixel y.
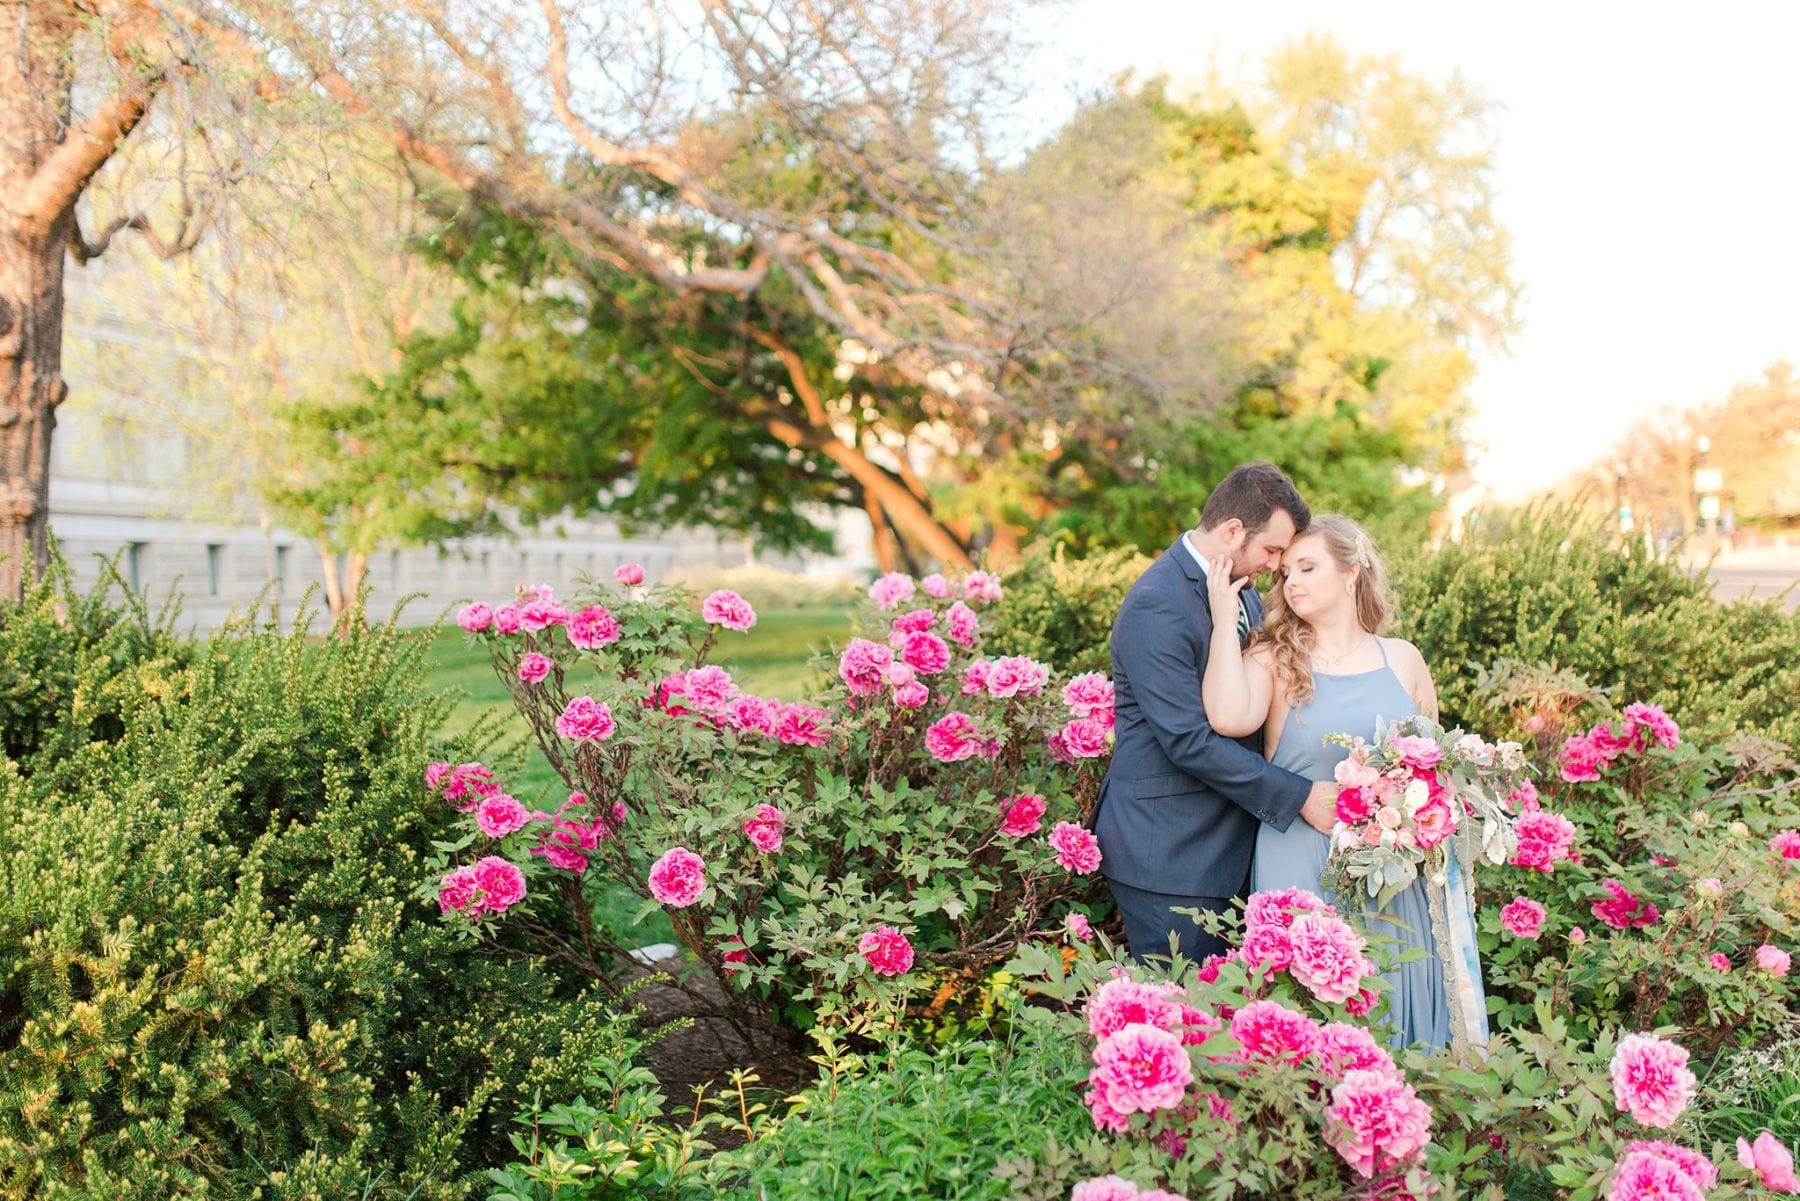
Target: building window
{"type": "Point", "coordinates": [281, 570]}
{"type": "Point", "coordinates": [215, 567]}
{"type": "Point", "coordinates": [135, 567]}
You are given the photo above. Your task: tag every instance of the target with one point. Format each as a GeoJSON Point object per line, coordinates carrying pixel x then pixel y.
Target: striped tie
{"type": "Point", "coordinates": [1243, 621]}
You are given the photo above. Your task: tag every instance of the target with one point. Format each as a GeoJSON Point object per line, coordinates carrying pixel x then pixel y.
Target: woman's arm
{"type": "Point", "coordinates": [1235, 690]}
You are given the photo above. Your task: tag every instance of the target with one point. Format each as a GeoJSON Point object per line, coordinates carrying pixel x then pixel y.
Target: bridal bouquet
{"type": "Point", "coordinates": [1407, 798]}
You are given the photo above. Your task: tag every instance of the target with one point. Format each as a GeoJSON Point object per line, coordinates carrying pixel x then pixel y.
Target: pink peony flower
{"type": "Point", "coordinates": [499, 815]}
{"type": "Point", "coordinates": [508, 619]}
{"type": "Point", "coordinates": [925, 653]}
{"type": "Point", "coordinates": [456, 893]}
{"type": "Point", "coordinates": [1105, 1188]}
{"type": "Point", "coordinates": [1434, 822]}
{"type": "Point", "coordinates": [1773, 960]}
{"type": "Point", "coordinates": [1267, 949]}
{"type": "Point", "coordinates": [1354, 807]}
{"type": "Point", "coordinates": [752, 714]}
{"type": "Point", "coordinates": [541, 613]}
{"type": "Point", "coordinates": [953, 737]}
{"type": "Point", "coordinates": [1523, 918]}
{"type": "Point", "coordinates": [1644, 1176]}
{"type": "Point", "coordinates": [585, 719]}
{"type": "Point", "coordinates": [1581, 760]}
{"type": "Point", "coordinates": [1693, 1165]}
{"type": "Point", "coordinates": [1719, 961]}
{"type": "Point", "coordinates": [1086, 738]}
{"type": "Point", "coordinates": [629, 575]}
{"type": "Point", "coordinates": [1652, 720]}
{"type": "Point", "coordinates": [1088, 694]}
{"type": "Point", "coordinates": [765, 827]}
{"type": "Point", "coordinates": [914, 621]}
{"type": "Point", "coordinates": [1270, 1032]}
{"type": "Point", "coordinates": [1328, 957]}
{"type": "Point", "coordinates": [678, 878]}
{"type": "Point", "coordinates": [1362, 1004]}
{"type": "Point", "coordinates": [1623, 910]}
{"type": "Point", "coordinates": [863, 666]}
{"type": "Point", "coordinates": [912, 696]}
{"type": "Point", "coordinates": [1076, 848]}
{"type": "Point", "coordinates": [975, 677]}
{"type": "Point", "coordinates": [1709, 886]}
{"type": "Point", "coordinates": [1650, 1078]}
{"type": "Point", "coordinates": [464, 784]}
{"type": "Point", "coordinates": [892, 589]}
{"type": "Point", "coordinates": [1376, 1122]}
{"type": "Point", "coordinates": [731, 953]}
{"type": "Point", "coordinates": [982, 586]}
{"type": "Point", "coordinates": [1524, 798]}
{"type": "Point", "coordinates": [962, 625]}
{"type": "Point", "coordinates": [1769, 1158]}
{"type": "Point", "coordinates": [1141, 1068]}
{"type": "Point", "coordinates": [1417, 751]}
{"type": "Point", "coordinates": [1078, 927]}
{"type": "Point", "coordinates": [475, 618]}
{"type": "Point", "coordinates": [1577, 935]}
{"type": "Point", "coordinates": [887, 951]}
{"type": "Point", "coordinates": [594, 627]}
{"type": "Point", "coordinates": [1786, 844]}
{"type": "Point", "coordinates": [936, 586]}
{"type": "Point", "coordinates": [1281, 906]}
{"type": "Point", "coordinates": [1196, 1025]}
{"type": "Point", "coordinates": [498, 884]}
{"type": "Point", "coordinates": [1122, 1002]}
{"type": "Point", "coordinates": [1105, 1117]}
{"type": "Point", "coordinates": [1345, 1048]}
{"type": "Point", "coordinates": [1024, 814]}
{"type": "Point", "coordinates": [726, 608]}
{"type": "Point", "coordinates": [709, 688]}
{"type": "Point", "coordinates": [802, 725]}
{"type": "Point", "coordinates": [534, 667]}
{"type": "Point", "coordinates": [1544, 840]}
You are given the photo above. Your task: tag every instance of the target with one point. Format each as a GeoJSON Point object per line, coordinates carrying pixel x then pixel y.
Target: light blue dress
{"type": "Point", "coordinates": [1294, 858]}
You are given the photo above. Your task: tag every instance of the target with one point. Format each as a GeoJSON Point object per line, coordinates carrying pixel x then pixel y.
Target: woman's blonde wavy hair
{"type": "Point", "coordinates": [1290, 640]}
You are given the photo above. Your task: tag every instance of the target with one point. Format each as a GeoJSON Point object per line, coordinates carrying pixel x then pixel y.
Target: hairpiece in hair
{"type": "Point", "coordinates": [1362, 550]}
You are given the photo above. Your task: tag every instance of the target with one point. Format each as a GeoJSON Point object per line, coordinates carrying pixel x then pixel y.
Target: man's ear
{"type": "Point", "coordinates": [1231, 530]}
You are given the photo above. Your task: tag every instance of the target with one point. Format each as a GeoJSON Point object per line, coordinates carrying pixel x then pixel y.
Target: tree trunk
{"type": "Point", "coordinates": [356, 569]}
{"type": "Point", "coordinates": [886, 546]}
{"type": "Point", "coordinates": [47, 158]}
{"type": "Point", "coordinates": [31, 386]}
{"type": "Point", "coordinates": [334, 589]}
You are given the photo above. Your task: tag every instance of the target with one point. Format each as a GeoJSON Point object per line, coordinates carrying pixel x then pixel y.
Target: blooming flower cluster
{"type": "Point", "coordinates": [1585, 756]}
{"type": "Point", "coordinates": [1651, 1080]}
{"type": "Point", "coordinates": [1147, 1035]}
{"type": "Point", "coordinates": [489, 885]}
{"type": "Point", "coordinates": [1076, 848]}
{"type": "Point", "coordinates": [1088, 734]}
{"type": "Point", "coordinates": [1295, 931]}
{"type": "Point", "coordinates": [887, 951]}
{"type": "Point", "coordinates": [726, 608]}
{"type": "Point", "coordinates": [1769, 1159]}
{"type": "Point", "coordinates": [896, 588]}
{"type": "Point", "coordinates": [1401, 798]}
{"type": "Point", "coordinates": [1623, 909]}
{"type": "Point", "coordinates": [678, 878]}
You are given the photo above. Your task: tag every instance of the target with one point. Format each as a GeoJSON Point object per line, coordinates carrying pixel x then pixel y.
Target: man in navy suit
{"type": "Point", "coordinates": [1179, 807]}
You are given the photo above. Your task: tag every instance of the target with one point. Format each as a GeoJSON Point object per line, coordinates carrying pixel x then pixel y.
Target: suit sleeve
{"type": "Point", "coordinates": [1164, 676]}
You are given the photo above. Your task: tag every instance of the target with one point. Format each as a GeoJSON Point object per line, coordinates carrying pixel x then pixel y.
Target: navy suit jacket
{"type": "Point", "coordinates": [1179, 806]}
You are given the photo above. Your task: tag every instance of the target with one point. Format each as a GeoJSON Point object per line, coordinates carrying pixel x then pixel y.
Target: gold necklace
{"type": "Point", "coordinates": [1335, 659]}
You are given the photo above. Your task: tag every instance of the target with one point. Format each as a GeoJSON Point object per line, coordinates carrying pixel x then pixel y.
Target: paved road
{"type": "Point", "coordinates": [1731, 581]}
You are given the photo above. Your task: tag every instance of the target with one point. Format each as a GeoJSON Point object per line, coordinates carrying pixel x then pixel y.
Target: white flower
{"type": "Point", "coordinates": [1417, 793]}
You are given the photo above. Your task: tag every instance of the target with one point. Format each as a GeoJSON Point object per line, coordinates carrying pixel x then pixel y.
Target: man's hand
{"type": "Point", "coordinates": [1320, 810]}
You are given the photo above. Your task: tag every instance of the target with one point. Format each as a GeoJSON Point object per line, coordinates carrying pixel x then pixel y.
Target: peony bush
{"type": "Point", "coordinates": [824, 856]}
{"type": "Point", "coordinates": [1228, 1078]}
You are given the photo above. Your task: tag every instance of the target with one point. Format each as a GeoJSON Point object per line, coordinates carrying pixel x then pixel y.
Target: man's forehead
{"type": "Point", "coordinates": [1280, 530]}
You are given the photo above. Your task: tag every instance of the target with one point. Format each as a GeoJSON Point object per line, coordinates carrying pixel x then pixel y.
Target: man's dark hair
{"type": "Point", "coordinates": [1252, 493]}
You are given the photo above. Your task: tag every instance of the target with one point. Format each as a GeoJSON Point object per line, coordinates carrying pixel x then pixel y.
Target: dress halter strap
{"type": "Point", "coordinates": [1381, 645]}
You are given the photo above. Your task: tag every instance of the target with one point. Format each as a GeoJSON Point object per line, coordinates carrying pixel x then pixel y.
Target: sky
{"type": "Point", "coordinates": [1648, 171]}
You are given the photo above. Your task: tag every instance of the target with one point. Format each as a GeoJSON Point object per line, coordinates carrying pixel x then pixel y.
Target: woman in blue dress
{"type": "Point", "coordinates": [1317, 666]}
